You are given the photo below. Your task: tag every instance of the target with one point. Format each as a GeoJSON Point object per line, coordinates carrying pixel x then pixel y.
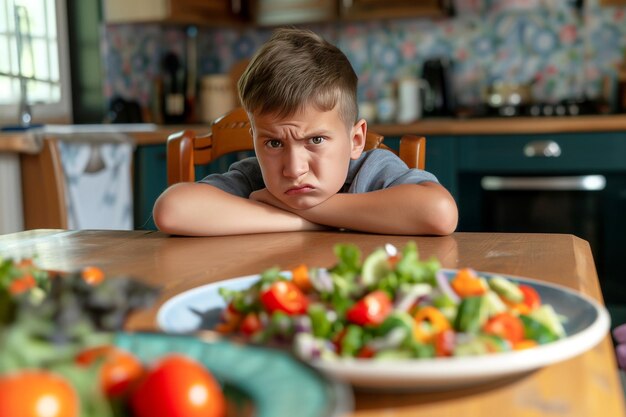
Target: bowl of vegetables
{"type": "Point", "coordinates": [393, 320]}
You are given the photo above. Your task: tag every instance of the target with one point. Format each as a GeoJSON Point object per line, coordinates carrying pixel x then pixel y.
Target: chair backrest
{"type": "Point", "coordinates": [231, 133]}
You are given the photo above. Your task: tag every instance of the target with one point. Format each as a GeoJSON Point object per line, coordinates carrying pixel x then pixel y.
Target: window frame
{"type": "Point", "coordinates": [58, 112]}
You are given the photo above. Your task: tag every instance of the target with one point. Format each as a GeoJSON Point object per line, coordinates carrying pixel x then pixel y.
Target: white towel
{"type": "Point", "coordinates": [98, 184]}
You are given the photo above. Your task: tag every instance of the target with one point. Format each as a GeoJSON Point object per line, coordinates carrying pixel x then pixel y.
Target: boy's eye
{"type": "Point", "coordinates": [317, 140]}
{"type": "Point", "coordinates": [273, 143]}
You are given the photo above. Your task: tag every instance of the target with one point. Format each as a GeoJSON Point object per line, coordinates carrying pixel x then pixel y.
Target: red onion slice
{"type": "Point", "coordinates": [444, 286]}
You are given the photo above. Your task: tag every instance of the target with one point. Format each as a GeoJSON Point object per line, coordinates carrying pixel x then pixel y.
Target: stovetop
{"type": "Point", "coordinates": [562, 108]}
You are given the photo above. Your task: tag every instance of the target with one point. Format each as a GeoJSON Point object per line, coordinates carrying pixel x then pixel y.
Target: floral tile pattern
{"type": "Point", "coordinates": [562, 50]}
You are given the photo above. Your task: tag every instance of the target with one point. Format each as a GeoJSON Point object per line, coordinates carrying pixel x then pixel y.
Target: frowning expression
{"type": "Point", "coordinates": [304, 158]}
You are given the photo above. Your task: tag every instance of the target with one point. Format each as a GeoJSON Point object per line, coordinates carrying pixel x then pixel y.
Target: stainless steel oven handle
{"type": "Point", "coordinates": [542, 148]}
{"type": "Point", "coordinates": [573, 183]}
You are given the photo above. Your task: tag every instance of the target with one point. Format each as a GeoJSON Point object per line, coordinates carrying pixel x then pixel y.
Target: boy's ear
{"type": "Point", "coordinates": [358, 135]}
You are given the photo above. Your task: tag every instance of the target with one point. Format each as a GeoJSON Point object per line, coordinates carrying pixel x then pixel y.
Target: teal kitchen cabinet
{"type": "Point", "coordinates": [150, 179]}
{"type": "Point", "coordinates": [441, 158]}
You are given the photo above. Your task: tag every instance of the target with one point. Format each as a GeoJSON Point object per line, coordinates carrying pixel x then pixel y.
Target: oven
{"type": "Point", "coordinates": [565, 183]}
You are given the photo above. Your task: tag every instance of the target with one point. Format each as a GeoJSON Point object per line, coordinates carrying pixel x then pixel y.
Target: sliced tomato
{"type": "Point", "coordinates": [120, 369]}
{"type": "Point", "coordinates": [372, 309]}
{"type": "Point", "coordinates": [506, 326]}
{"type": "Point", "coordinates": [531, 296]}
{"type": "Point", "coordinates": [250, 324]}
{"type": "Point", "coordinates": [444, 342]}
{"type": "Point", "coordinates": [285, 296]}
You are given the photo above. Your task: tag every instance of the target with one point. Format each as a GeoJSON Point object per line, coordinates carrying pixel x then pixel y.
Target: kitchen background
{"type": "Point", "coordinates": [564, 50]}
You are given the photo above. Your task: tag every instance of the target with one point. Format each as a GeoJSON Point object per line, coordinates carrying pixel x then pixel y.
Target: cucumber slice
{"type": "Point", "coordinates": [375, 267]}
{"type": "Point", "coordinates": [506, 289]}
{"type": "Point", "coordinates": [471, 315]}
{"type": "Point", "coordinates": [548, 317]}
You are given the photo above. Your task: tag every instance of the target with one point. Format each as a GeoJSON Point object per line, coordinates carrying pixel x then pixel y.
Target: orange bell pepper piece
{"type": "Point", "coordinates": [300, 277]}
{"type": "Point", "coordinates": [467, 284]}
{"type": "Point", "coordinates": [429, 321]}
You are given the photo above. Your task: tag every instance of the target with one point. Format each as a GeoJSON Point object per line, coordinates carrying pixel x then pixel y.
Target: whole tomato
{"type": "Point", "coordinates": [120, 369]}
{"type": "Point", "coordinates": [177, 386]}
{"type": "Point", "coordinates": [36, 393]}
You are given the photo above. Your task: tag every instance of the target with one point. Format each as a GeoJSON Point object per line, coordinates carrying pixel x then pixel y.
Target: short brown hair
{"type": "Point", "coordinates": [296, 68]}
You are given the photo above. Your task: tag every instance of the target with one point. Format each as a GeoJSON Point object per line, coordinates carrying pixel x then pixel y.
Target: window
{"type": "Point", "coordinates": [33, 68]}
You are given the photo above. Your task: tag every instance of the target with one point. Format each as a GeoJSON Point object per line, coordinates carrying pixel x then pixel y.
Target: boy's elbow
{"type": "Point", "coordinates": [444, 218]}
{"type": "Point", "coordinates": [164, 215]}
{"type": "Point", "coordinates": [169, 211]}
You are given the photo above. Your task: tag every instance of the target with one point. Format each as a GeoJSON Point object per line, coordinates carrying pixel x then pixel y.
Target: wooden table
{"type": "Point", "coordinates": [585, 386]}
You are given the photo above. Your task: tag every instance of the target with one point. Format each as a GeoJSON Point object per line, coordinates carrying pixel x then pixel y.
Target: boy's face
{"type": "Point", "coordinates": [304, 158]}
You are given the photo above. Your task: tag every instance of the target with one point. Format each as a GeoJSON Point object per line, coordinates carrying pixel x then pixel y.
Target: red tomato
{"type": "Point", "coordinates": [120, 369]}
{"type": "Point", "coordinates": [36, 393]}
{"type": "Point", "coordinates": [444, 342]}
{"type": "Point", "coordinates": [507, 326]}
{"type": "Point", "coordinates": [285, 296]}
{"type": "Point", "coordinates": [178, 386]}
{"type": "Point", "coordinates": [371, 309]}
{"type": "Point", "coordinates": [250, 324]}
{"type": "Point", "coordinates": [531, 296]}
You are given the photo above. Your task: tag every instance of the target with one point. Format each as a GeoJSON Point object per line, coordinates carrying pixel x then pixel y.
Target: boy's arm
{"type": "Point", "coordinates": [408, 209]}
{"type": "Point", "coordinates": [195, 209]}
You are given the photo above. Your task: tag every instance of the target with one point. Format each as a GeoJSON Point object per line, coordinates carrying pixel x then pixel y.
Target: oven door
{"type": "Point", "coordinates": [590, 206]}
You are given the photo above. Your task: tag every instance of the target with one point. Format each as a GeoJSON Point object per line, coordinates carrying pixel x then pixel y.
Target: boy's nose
{"type": "Point", "coordinates": [295, 163]}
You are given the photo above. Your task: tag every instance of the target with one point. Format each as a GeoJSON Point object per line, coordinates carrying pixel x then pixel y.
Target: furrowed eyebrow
{"type": "Point", "coordinates": [273, 135]}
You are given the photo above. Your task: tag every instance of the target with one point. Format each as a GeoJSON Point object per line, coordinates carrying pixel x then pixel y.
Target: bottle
{"type": "Point", "coordinates": [173, 89]}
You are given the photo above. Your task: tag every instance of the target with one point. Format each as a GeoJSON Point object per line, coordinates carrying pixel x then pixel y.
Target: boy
{"type": "Point", "coordinates": [310, 171]}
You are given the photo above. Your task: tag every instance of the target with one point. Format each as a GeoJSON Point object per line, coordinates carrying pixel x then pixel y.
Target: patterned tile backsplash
{"type": "Point", "coordinates": [564, 52]}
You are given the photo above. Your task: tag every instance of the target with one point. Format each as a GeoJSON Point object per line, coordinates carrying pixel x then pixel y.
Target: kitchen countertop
{"type": "Point", "coordinates": [27, 142]}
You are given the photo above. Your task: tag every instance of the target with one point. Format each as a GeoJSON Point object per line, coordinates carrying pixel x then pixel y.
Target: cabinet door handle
{"type": "Point", "coordinates": [542, 149]}
{"type": "Point", "coordinates": [575, 183]}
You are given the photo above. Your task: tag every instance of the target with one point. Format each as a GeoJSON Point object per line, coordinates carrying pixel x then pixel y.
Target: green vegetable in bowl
{"type": "Point", "coordinates": [391, 305]}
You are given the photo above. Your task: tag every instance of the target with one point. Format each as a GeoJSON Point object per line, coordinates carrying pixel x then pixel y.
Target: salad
{"type": "Point", "coordinates": [391, 305]}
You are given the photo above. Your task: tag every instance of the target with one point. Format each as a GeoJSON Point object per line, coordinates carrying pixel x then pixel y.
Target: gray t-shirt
{"type": "Point", "coordinates": [374, 170]}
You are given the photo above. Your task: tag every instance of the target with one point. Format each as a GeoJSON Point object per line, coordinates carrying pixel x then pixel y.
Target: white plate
{"type": "Point", "coordinates": [587, 324]}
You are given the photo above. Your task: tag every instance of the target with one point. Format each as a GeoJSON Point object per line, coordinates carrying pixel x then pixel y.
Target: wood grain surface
{"type": "Point", "coordinates": [586, 386]}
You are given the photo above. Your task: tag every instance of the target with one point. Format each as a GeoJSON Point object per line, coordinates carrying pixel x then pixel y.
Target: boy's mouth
{"type": "Point", "coordinates": [300, 189]}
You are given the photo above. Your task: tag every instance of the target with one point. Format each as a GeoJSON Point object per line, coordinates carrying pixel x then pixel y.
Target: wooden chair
{"type": "Point", "coordinates": [231, 133]}
{"type": "Point", "coordinates": [43, 188]}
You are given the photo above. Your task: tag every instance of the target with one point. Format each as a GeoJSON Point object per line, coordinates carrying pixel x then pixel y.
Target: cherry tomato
{"type": "Point", "coordinates": [178, 386]}
{"type": "Point", "coordinates": [531, 296]}
{"type": "Point", "coordinates": [120, 369]}
{"type": "Point", "coordinates": [36, 393]}
{"type": "Point", "coordinates": [506, 326]}
{"type": "Point", "coordinates": [285, 296]}
{"type": "Point", "coordinates": [371, 309]}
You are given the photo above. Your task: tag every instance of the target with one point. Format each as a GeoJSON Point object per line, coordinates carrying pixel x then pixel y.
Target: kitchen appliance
{"type": "Point", "coordinates": [437, 72]}
{"type": "Point", "coordinates": [550, 184]}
